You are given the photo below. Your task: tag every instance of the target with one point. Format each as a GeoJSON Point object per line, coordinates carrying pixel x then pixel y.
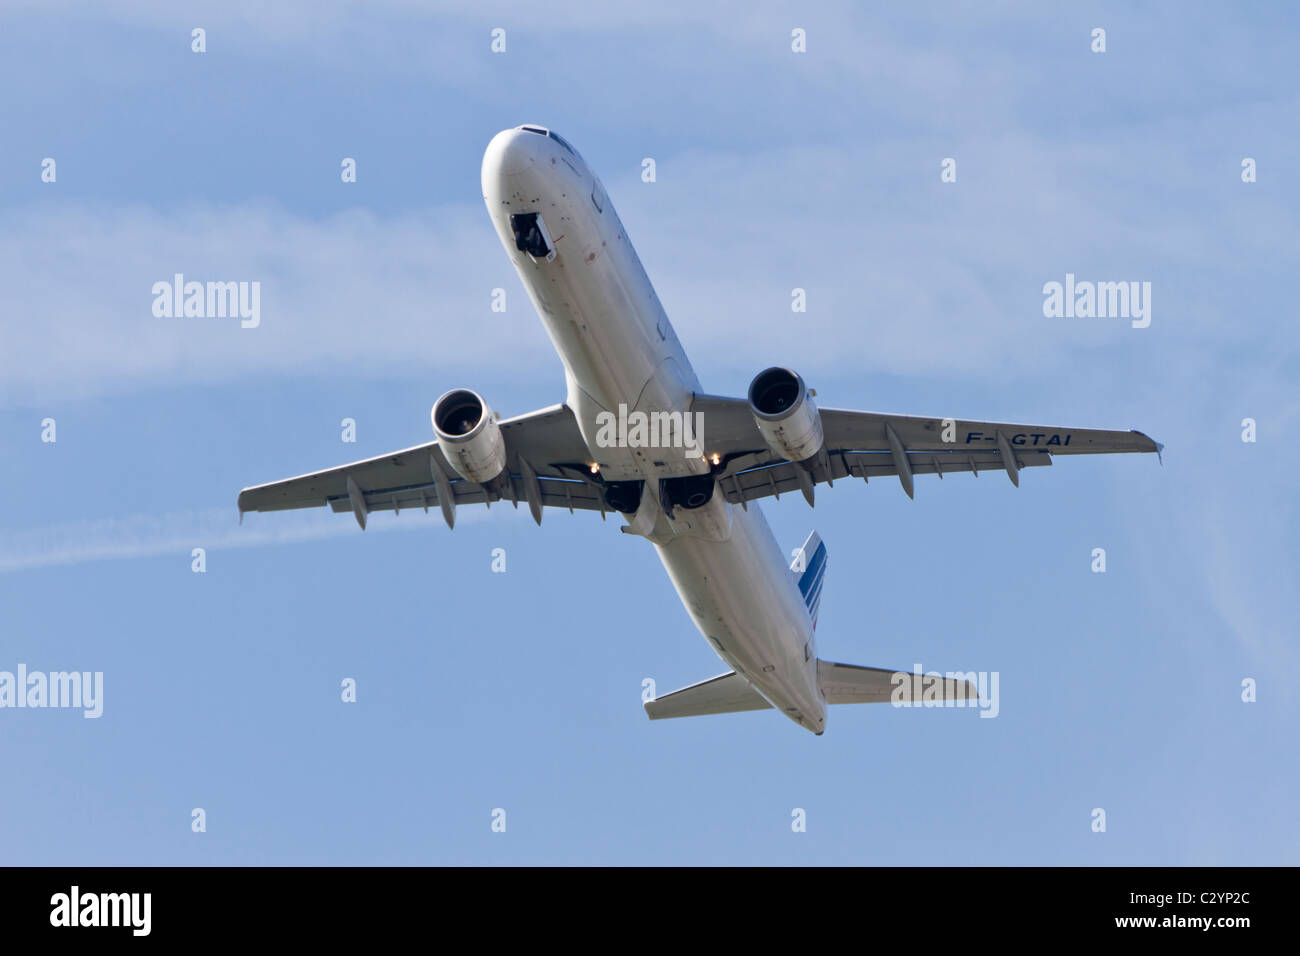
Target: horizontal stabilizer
{"type": "Point", "coordinates": [850, 684]}
{"type": "Point", "coordinates": [725, 694]}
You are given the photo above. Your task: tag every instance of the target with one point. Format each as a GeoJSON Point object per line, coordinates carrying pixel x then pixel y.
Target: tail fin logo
{"type": "Point", "coordinates": [810, 564]}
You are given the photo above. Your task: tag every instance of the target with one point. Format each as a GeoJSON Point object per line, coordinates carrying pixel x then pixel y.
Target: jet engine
{"type": "Point", "coordinates": [785, 414]}
{"type": "Point", "coordinates": [469, 436]}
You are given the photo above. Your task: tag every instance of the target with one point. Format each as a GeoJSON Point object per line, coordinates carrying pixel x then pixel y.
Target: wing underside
{"type": "Point", "coordinates": [547, 457]}
{"type": "Point", "coordinates": [870, 445]}
{"type": "Point", "coordinates": [546, 443]}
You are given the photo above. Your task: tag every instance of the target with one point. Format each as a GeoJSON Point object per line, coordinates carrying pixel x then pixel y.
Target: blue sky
{"type": "Point", "coordinates": [522, 690]}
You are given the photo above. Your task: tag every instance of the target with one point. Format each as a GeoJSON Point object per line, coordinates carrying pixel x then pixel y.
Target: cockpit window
{"type": "Point", "coordinates": [534, 129]}
{"type": "Point", "coordinates": [560, 139]}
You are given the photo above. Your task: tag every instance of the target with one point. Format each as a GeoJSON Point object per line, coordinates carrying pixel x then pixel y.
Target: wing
{"type": "Point", "coordinates": [870, 444]}
{"type": "Point", "coordinates": [545, 445]}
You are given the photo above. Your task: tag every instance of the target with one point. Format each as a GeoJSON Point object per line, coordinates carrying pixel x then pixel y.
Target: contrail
{"type": "Point", "coordinates": [177, 532]}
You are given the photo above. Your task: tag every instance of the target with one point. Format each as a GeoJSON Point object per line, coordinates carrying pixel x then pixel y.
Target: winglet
{"type": "Point", "coordinates": [1160, 446]}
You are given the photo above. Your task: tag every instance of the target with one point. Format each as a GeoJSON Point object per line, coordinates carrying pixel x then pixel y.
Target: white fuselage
{"type": "Point", "coordinates": [618, 348]}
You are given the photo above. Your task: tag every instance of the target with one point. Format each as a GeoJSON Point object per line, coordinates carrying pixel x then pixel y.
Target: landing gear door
{"type": "Point", "coordinates": [532, 236]}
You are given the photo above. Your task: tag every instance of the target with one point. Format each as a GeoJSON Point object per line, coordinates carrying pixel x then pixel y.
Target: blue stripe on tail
{"type": "Point", "coordinates": [811, 578]}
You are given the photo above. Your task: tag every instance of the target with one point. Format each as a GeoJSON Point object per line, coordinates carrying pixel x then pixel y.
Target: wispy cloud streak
{"type": "Point", "coordinates": [178, 532]}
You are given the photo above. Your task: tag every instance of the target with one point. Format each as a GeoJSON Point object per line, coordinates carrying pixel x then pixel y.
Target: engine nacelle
{"type": "Point", "coordinates": [786, 414]}
{"type": "Point", "coordinates": [469, 436]}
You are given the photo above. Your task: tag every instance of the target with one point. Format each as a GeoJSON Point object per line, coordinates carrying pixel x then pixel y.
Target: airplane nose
{"type": "Point", "coordinates": [510, 153]}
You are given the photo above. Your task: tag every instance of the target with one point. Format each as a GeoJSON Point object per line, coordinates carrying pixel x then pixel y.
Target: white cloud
{"type": "Point", "coordinates": [906, 275]}
{"type": "Point", "coordinates": [347, 292]}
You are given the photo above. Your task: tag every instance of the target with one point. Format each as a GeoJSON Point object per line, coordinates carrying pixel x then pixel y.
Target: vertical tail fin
{"type": "Point", "coordinates": [809, 566]}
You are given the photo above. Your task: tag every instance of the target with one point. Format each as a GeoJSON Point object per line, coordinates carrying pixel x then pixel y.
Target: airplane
{"type": "Point", "coordinates": [691, 491]}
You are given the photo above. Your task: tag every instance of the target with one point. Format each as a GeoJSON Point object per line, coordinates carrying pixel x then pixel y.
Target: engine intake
{"type": "Point", "coordinates": [469, 436]}
{"type": "Point", "coordinates": [785, 414]}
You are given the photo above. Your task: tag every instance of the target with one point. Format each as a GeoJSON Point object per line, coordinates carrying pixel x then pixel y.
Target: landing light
{"type": "Point", "coordinates": [716, 459]}
{"type": "Point", "coordinates": [595, 467]}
